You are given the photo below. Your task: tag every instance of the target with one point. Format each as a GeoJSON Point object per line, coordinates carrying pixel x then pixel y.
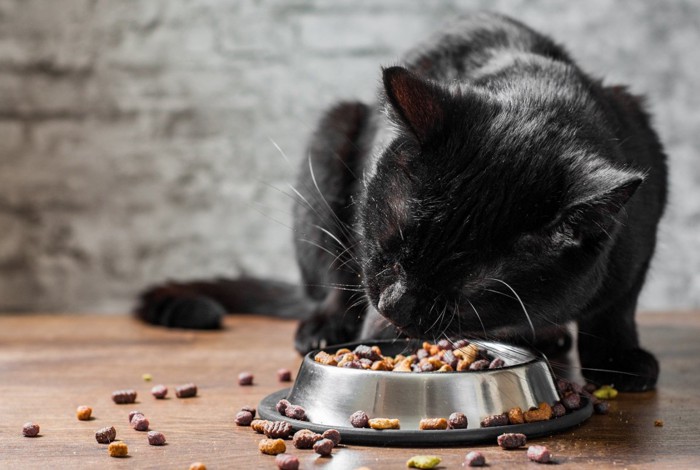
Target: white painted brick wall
{"type": "Point", "coordinates": [135, 136]}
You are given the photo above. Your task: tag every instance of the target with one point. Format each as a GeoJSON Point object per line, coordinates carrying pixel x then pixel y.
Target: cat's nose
{"type": "Point", "coordinates": [396, 304]}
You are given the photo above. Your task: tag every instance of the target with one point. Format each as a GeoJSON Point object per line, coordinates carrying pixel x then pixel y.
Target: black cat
{"type": "Point", "coordinates": [496, 187]}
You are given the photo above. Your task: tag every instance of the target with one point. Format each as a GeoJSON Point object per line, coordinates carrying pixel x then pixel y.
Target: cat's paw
{"type": "Point", "coordinates": [321, 330]}
{"type": "Point", "coordinates": [629, 370]}
{"type": "Point", "coordinates": [166, 306]}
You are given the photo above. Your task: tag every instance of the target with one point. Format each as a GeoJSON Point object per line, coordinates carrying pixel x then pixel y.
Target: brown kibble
{"type": "Point", "coordinates": [186, 391]}
{"type": "Point", "coordinates": [457, 420]}
{"type": "Point", "coordinates": [277, 429]}
{"type": "Point", "coordinates": [159, 391]}
{"type": "Point", "coordinates": [198, 466]}
{"type": "Point", "coordinates": [123, 397]}
{"type": "Point", "coordinates": [243, 418]}
{"type": "Point", "coordinates": [287, 462]}
{"type": "Point", "coordinates": [427, 424]}
{"type": "Point", "coordinates": [258, 425]}
{"type": "Point", "coordinates": [324, 447]}
{"type": "Point", "coordinates": [404, 365]}
{"type": "Point", "coordinates": [659, 423]}
{"type": "Point", "coordinates": [272, 446]}
{"type": "Point", "coordinates": [295, 412]}
{"type": "Point", "coordinates": [156, 438]}
{"type": "Point", "coordinates": [245, 378]}
{"type": "Point", "coordinates": [515, 416]}
{"type": "Point", "coordinates": [333, 435]}
{"type": "Point", "coordinates": [139, 422]}
{"type": "Point", "coordinates": [494, 420]}
{"type": "Point", "coordinates": [379, 365]}
{"type": "Point", "coordinates": [474, 459]}
{"type": "Point", "coordinates": [511, 440]}
{"type": "Point", "coordinates": [30, 429]}
{"type": "Point", "coordinates": [284, 375]}
{"type": "Point", "coordinates": [84, 413]}
{"type": "Point", "coordinates": [558, 410]}
{"type": "Point", "coordinates": [106, 435]}
{"type": "Point", "coordinates": [542, 413]}
{"type": "Point", "coordinates": [384, 423]}
{"type": "Point", "coordinates": [305, 439]}
{"type": "Point", "coordinates": [359, 419]}
{"type": "Point", "coordinates": [325, 358]}
{"type": "Point", "coordinates": [282, 405]}
{"type": "Point", "coordinates": [118, 449]}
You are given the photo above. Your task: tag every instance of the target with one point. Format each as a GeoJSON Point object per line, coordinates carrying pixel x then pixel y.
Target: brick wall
{"type": "Point", "coordinates": [136, 137]}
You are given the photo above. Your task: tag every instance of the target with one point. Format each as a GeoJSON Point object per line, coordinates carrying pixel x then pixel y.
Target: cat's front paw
{"type": "Point", "coordinates": [321, 330]}
{"type": "Point", "coordinates": [168, 306]}
{"type": "Point", "coordinates": [628, 370]}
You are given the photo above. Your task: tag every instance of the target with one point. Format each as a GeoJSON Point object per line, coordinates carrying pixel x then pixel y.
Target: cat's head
{"type": "Point", "coordinates": [488, 202]}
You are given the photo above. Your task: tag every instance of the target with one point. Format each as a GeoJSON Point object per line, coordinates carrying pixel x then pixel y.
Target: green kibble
{"type": "Point", "coordinates": [423, 461]}
{"type": "Point", "coordinates": [147, 377]}
{"type": "Point", "coordinates": [606, 392]}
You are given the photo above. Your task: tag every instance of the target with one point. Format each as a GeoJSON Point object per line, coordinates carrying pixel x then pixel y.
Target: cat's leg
{"type": "Point", "coordinates": [324, 225]}
{"type": "Point", "coordinates": [609, 347]}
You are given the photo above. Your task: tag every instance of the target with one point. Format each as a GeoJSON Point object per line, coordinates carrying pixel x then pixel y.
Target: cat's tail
{"type": "Point", "coordinates": [203, 304]}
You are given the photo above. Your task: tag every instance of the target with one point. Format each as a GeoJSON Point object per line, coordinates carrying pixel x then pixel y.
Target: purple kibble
{"type": "Point", "coordinates": [245, 378]}
{"type": "Point", "coordinates": [277, 429]}
{"type": "Point", "coordinates": [106, 435]}
{"type": "Point", "coordinates": [134, 413]}
{"type": "Point", "coordinates": [333, 435]}
{"type": "Point", "coordinates": [250, 409]}
{"type": "Point", "coordinates": [353, 365]}
{"type": "Point", "coordinates": [366, 352]}
{"type": "Point", "coordinates": [539, 454]}
{"type": "Point", "coordinates": [511, 440]}
{"type": "Point", "coordinates": [497, 363]}
{"type": "Point", "coordinates": [140, 422]}
{"type": "Point", "coordinates": [359, 419]}
{"type": "Point", "coordinates": [287, 462]}
{"type": "Point", "coordinates": [457, 420]}
{"type": "Point", "coordinates": [305, 439]}
{"type": "Point", "coordinates": [481, 364]}
{"type": "Point", "coordinates": [295, 412]}
{"type": "Point", "coordinates": [462, 343]}
{"type": "Point", "coordinates": [323, 447]}
{"type": "Point", "coordinates": [445, 344]}
{"type": "Point", "coordinates": [30, 429]}
{"type": "Point", "coordinates": [474, 459]}
{"type": "Point", "coordinates": [590, 388]}
{"type": "Point", "coordinates": [602, 407]}
{"type": "Point", "coordinates": [159, 391]}
{"type": "Point", "coordinates": [422, 354]}
{"type": "Point", "coordinates": [558, 410]}
{"type": "Point", "coordinates": [284, 375]}
{"type": "Point", "coordinates": [122, 397]}
{"type": "Point", "coordinates": [186, 391]}
{"type": "Point", "coordinates": [156, 438]}
{"type": "Point", "coordinates": [426, 367]}
{"type": "Point", "coordinates": [281, 406]}
{"type": "Point", "coordinates": [571, 401]}
{"type": "Point", "coordinates": [244, 418]}
{"type": "Point", "coordinates": [450, 358]}
{"type": "Point", "coordinates": [494, 420]}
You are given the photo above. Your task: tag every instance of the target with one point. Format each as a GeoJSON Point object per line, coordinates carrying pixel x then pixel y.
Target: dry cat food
{"type": "Point", "coordinates": [156, 438]}
{"type": "Point", "coordinates": [147, 377]}
{"type": "Point", "coordinates": [494, 420]}
{"type": "Point", "coordinates": [431, 424]}
{"type": "Point", "coordinates": [444, 356]}
{"type": "Point", "coordinates": [106, 435]}
{"type": "Point", "coordinates": [333, 435]}
{"type": "Point", "coordinates": [285, 408]}
{"type": "Point", "coordinates": [510, 440]}
{"type": "Point", "coordinates": [258, 425]}
{"type": "Point", "coordinates": [384, 423]}
{"type": "Point", "coordinates": [539, 454]}
{"type": "Point", "coordinates": [272, 446]}
{"type": "Point", "coordinates": [457, 420]}
{"type": "Point", "coordinates": [359, 419]}
{"type": "Point", "coordinates": [186, 391]}
{"type": "Point", "coordinates": [423, 461]}
{"type": "Point", "coordinates": [277, 429]}
{"type": "Point", "coordinates": [606, 392]}
{"type": "Point", "coordinates": [30, 429]}
{"type": "Point", "coordinates": [284, 375]}
{"type": "Point", "coordinates": [305, 439]}
{"type": "Point", "coordinates": [139, 422]}
{"type": "Point", "coordinates": [198, 466]}
{"type": "Point", "coordinates": [543, 412]}
{"type": "Point", "coordinates": [323, 447]}
{"type": "Point", "coordinates": [245, 378]}
{"type": "Point", "coordinates": [118, 449]}
{"type": "Point", "coordinates": [123, 397]}
{"type": "Point", "coordinates": [601, 408]}
{"type": "Point", "coordinates": [474, 459]}
{"type": "Point", "coordinates": [244, 418]}
{"type": "Point", "coordinates": [659, 423]}
{"type": "Point", "coordinates": [83, 413]}
{"type": "Point", "coordinates": [287, 462]}
{"type": "Point", "coordinates": [159, 391]}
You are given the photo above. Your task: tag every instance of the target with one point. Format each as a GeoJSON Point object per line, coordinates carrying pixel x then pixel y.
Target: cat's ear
{"type": "Point", "coordinates": [417, 103]}
{"type": "Point", "coordinates": [598, 210]}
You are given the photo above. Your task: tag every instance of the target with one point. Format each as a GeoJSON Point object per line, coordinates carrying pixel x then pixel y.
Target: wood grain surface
{"type": "Point", "coordinates": [50, 364]}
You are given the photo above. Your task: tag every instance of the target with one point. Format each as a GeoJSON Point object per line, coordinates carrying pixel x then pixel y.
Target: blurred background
{"type": "Point", "coordinates": [138, 139]}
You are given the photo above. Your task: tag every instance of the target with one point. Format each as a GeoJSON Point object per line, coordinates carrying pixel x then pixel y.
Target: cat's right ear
{"type": "Point", "coordinates": [418, 104]}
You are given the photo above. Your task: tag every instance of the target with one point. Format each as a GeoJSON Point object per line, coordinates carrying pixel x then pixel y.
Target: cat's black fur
{"type": "Point", "coordinates": [495, 188]}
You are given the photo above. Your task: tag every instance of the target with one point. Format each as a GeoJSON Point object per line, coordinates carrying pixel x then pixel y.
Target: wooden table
{"type": "Point", "coordinates": [51, 364]}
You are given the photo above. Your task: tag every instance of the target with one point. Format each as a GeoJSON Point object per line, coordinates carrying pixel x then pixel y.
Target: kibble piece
{"type": "Point", "coordinates": [284, 375]}
{"type": "Point", "coordinates": [30, 429]}
{"type": "Point", "coordinates": [497, 363]}
{"type": "Point", "coordinates": [118, 449]}
{"type": "Point", "coordinates": [277, 429]}
{"type": "Point", "coordinates": [250, 409]}
{"type": "Point", "coordinates": [186, 391]}
{"type": "Point", "coordinates": [659, 423]}
{"type": "Point", "coordinates": [542, 413]}
{"type": "Point", "coordinates": [287, 462]}
{"type": "Point", "coordinates": [134, 413]}
{"type": "Point", "coordinates": [295, 412]}
{"type": "Point", "coordinates": [515, 415]}
{"type": "Point", "coordinates": [147, 377]}
{"type": "Point", "coordinates": [140, 422]}
{"type": "Point", "coordinates": [106, 435]}
{"type": "Point", "coordinates": [571, 401]}
{"type": "Point", "coordinates": [539, 454]}
{"type": "Point", "coordinates": [606, 392]}
{"type": "Point", "coordinates": [156, 438]}
{"type": "Point", "coordinates": [325, 358]}
{"type": "Point", "coordinates": [123, 397]}
{"type": "Point", "coordinates": [305, 439]}
{"type": "Point", "coordinates": [281, 406]}
{"type": "Point", "coordinates": [359, 419]}
{"type": "Point", "coordinates": [244, 418]}
{"type": "Point", "coordinates": [511, 440]}
{"type": "Point", "coordinates": [272, 446]}
{"type": "Point", "coordinates": [384, 423]}
{"type": "Point", "coordinates": [558, 410]}
{"type": "Point", "coordinates": [423, 461]}
{"type": "Point", "coordinates": [457, 420]}
{"type": "Point", "coordinates": [258, 425]}
{"type": "Point", "coordinates": [159, 391]}
{"type": "Point", "coordinates": [430, 424]}
{"type": "Point", "coordinates": [323, 447]}
{"type": "Point", "coordinates": [601, 407]}
{"type": "Point", "coordinates": [474, 459]}
{"type": "Point", "coordinates": [245, 378]}
{"type": "Point", "coordinates": [494, 420]}
{"type": "Point", "coordinates": [83, 413]}
{"type": "Point", "coordinates": [333, 435]}
{"type": "Point", "coordinates": [481, 364]}
{"type": "Point", "coordinates": [198, 466]}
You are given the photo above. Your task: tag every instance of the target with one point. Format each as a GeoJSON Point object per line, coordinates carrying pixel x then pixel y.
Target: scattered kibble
{"type": "Point", "coordinates": [457, 420]}
{"type": "Point", "coordinates": [140, 423]}
{"type": "Point", "coordinates": [431, 424]}
{"type": "Point", "coordinates": [159, 391]}
{"type": "Point", "coordinates": [258, 425]}
{"type": "Point", "coordinates": [281, 406]}
{"type": "Point", "coordinates": [156, 438]}
{"type": "Point", "coordinates": [333, 435]}
{"type": "Point", "coordinates": [384, 423]}
{"type": "Point", "coordinates": [287, 462]}
{"type": "Point", "coordinates": [323, 447]}
{"type": "Point", "coordinates": [423, 461]}
{"type": "Point", "coordinates": [245, 378]}
{"type": "Point", "coordinates": [106, 435]}
{"type": "Point", "coordinates": [123, 397]}
{"type": "Point", "coordinates": [198, 466]}
{"type": "Point", "coordinates": [606, 392]}
{"type": "Point", "coordinates": [284, 375]}
{"type": "Point", "coordinates": [359, 419]}
{"type": "Point", "coordinates": [511, 440]}
{"type": "Point", "coordinates": [30, 429]}
{"type": "Point", "coordinates": [539, 454]}
{"type": "Point", "coordinates": [494, 420]}
{"type": "Point", "coordinates": [602, 407]}
{"type": "Point", "coordinates": [474, 459]}
{"type": "Point", "coordinates": [543, 412]}
{"type": "Point", "coordinates": [295, 412]}
{"type": "Point", "coordinates": [305, 439]}
{"type": "Point", "coordinates": [186, 391]}
{"type": "Point", "coordinates": [118, 449]}
{"type": "Point", "coordinates": [277, 429]}
{"type": "Point", "coordinates": [147, 377]}
{"type": "Point", "coordinates": [571, 401]}
{"type": "Point", "coordinates": [84, 413]}
{"type": "Point", "coordinates": [558, 410]}
{"type": "Point", "coordinates": [250, 409]}
{"type": "Point", "coordinates": [659, 423]}
{"type": "Point", "coordinates": [244, 418]}
{"type": "Point", "coordinates": [272, 446]}
{"type": "Point", "coordinates": [133, 413]}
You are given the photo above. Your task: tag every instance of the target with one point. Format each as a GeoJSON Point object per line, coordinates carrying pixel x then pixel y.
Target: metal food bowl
{"type": "Point", "coordinates": [331, 394]}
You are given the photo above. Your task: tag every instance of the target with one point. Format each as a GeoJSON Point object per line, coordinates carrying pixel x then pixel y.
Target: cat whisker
{"type": "Point", "coordinates": [483, 328]}
{"type": "Point", "coordinates": [527, 315]}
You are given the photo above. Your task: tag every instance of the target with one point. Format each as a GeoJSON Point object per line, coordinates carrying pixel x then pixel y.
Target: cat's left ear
{"type": "Point", "coordinates": [418, 103]}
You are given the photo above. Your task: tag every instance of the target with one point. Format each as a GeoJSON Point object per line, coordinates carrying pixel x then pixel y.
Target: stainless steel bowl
{"type": "Point", "coordinates": [331, 394]}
